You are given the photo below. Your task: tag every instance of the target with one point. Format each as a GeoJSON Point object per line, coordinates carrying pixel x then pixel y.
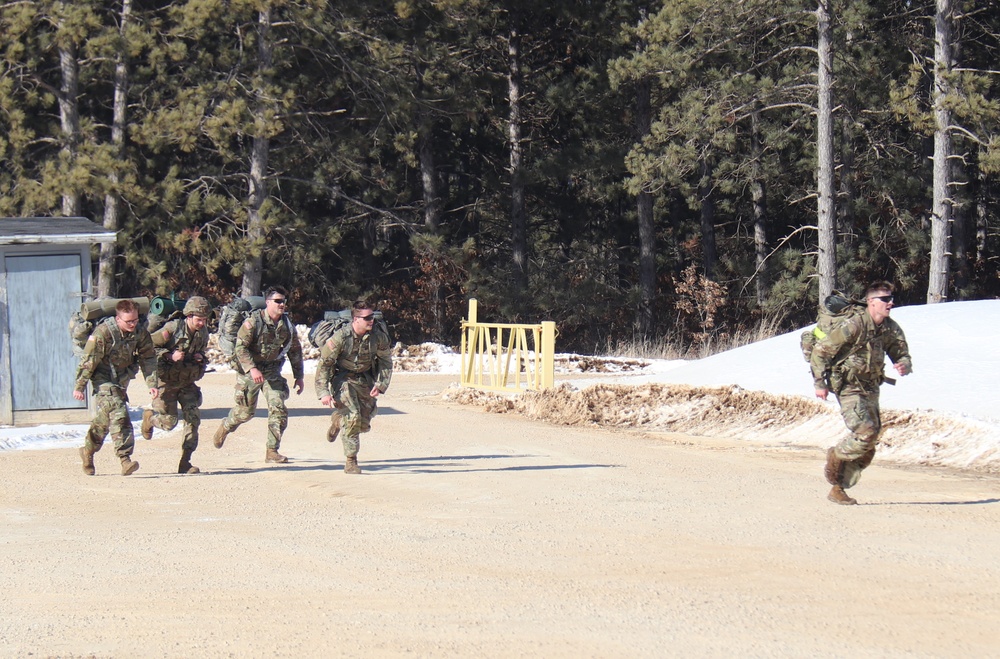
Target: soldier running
{"type": "Point", "coordinates": [114, 353]}
{"type": "Point", "coordinates": [354, 367]}
{"type": "Point", "coordinates": [850, 361]}
{"type": "Point", "coordinates": [180, 349]}
{"type": "Point", "coordinates": [262, 343]}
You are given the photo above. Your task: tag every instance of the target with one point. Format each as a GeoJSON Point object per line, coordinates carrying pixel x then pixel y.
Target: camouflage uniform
{"type": "Point", "coordinates": [260, 343]}
{"type": "Point", "coordinates": [355, 365]}
{"type": "Point", "coordinates": [177, 379]}
{"type": "Point", "coordinates": [852, 356]}
{"type": "Point", "coordinates": [110, 360]}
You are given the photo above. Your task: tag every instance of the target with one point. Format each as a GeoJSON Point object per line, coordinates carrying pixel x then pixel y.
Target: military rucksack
{"type": "Point", "coordinates": [322, 330]}
{"type": "Point", "coordinates": [835, 310]}
{"type": "Point", "coordinates": [83, 322]}
{"type": "Point", "coordinates": [233, 316]}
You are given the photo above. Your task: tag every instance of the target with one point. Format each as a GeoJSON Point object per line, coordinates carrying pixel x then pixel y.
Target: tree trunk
{"type": "Point", "coordinates": [983, 199]}
{"type": "Point", "coordinates": [69, 117]}
{"type": "Point", "coordinates": [428, 174]}
{"type": "Point", "coordinates": [960, 226]}
{"type": "Point", "coordinates": [253, 265]}
{"type": "Point", "coordinates": [646, 321]}
{"type": "Point", "coordinates": [758, 196]}
{"type": "Point", "coordinates": [518, 212]}
{"type": "Point", "coordinates": [826, 257]}
{"type": "Point", "coordinates": [845, 209]}
{"type": "Point", "coordinates": [112, 200]}
{"type": "Point", "coordinates": [432, 212]}
{"type": "Point", "coordinates": [937, 281]}
{"type": "Point", "coordinates": [709, 253]}
{"type": "Point", "coordinates": [846, 235]}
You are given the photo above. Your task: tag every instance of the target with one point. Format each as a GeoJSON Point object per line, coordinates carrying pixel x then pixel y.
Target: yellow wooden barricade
{"type": "Point", "coordinates": [507, 357]}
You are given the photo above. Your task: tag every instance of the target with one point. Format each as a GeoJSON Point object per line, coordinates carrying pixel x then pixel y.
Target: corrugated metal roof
{"type": "Point", "coordinates": [43, 230]}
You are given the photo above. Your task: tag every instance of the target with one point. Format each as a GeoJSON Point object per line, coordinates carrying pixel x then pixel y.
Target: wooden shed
{"type": "Point", "coordinates": [45, 274]}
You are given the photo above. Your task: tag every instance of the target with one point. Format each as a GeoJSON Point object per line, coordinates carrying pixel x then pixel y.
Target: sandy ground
{"type": "Point", "coordinates": [478, 534]}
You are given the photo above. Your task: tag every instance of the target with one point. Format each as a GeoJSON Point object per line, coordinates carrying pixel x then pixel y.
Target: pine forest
{"type": "Point", "coordinates": [631, 170]}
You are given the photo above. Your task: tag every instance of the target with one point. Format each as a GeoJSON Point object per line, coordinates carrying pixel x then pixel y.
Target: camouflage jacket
{"type": "Point", "coordinates": [261, 343]}
{"type": "Point", "coordinates": [112, 358]}
{"type": "Point", "coordinates": [854, 353]}
{"type": "Point", "coordinates": [345, 352]}
{"type": "Point", "coordinates": [176, 335]}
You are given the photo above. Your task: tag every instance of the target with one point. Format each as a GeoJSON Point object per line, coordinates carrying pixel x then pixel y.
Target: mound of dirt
{"type": "Point", "coordinates": [732, 412]}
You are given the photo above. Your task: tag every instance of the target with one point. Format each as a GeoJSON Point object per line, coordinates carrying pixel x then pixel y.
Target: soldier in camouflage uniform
{"type": "Point", "coordinates": [180, 362]}
{"type": "Point", "coordinates": [354, 367]}
{"type": "Point", "coordinates": [115, 351]}
{"type": "Point", "coordinates": [262, 343]}
{"type": "Point", "coordinates": [850, 361]}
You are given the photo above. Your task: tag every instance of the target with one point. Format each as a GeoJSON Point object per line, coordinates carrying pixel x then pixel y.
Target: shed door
{"type": "Point", "coordinates": [42, 293]}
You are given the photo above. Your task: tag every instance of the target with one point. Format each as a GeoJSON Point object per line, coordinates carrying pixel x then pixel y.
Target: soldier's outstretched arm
{"type": "Point", "coordinates": [898, 350]}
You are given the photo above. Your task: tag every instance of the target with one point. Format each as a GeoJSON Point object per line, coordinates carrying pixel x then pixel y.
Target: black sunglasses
{"type": "Point", "coordinates": [370, 317]}
{"type": "Point", "coordinates": [278, 300]}
{"type": "Point", "coordinates": [885, 298]}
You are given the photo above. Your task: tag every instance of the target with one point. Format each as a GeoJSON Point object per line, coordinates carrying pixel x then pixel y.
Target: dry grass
{"type": "Point", "coordinates": [674, 346]}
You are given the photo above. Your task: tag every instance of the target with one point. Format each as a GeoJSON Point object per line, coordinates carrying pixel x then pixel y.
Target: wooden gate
{"type": "Point", "coordinates": [505, 356]}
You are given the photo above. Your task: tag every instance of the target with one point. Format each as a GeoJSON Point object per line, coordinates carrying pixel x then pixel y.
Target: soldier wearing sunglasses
{"type": "Point", "coordinates": [854, 355]}
{"type": "Point", "coordinates": [262, 343]}
{"type": "Point", "coordinates": [354, 367]}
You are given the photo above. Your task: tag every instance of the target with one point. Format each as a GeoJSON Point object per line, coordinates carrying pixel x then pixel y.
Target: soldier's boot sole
{"type": "Point", "coordinates": [88, 461]}
{"type": "Point", "coordinates": [146, 429]}
{"type": "Point", "coordinates": [837, 495]}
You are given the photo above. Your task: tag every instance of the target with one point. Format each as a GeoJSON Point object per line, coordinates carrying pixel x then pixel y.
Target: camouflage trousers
{"type": "Point", "coordinates": [859, 409]}
{"type": "Point", "coordinates": [354, 405]}
{"type": "Point", "coordinates": [111, 415]}
{"type": "Point", "coordinates": [165, 408]}
{"type": "Point", "coordinates": [275, 393]}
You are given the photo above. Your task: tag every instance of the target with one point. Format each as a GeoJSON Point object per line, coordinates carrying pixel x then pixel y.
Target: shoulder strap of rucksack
{"type": "Point", "coordinates": [291, 336]}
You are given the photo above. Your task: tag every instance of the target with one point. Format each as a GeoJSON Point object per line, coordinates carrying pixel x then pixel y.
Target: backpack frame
{"type": "Point", "coordinates": [321, 331]}
{"type": "Point", "coordinates": [835, 310]}
{"type": "Point", "coordinates": [233, 316]}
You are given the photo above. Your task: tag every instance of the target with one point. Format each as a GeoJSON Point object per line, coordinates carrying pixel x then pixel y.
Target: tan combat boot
{"type": "Point", "coordinates": [837, 495]}
{"type": "Point", "coordinates": [185, 466]}
{"type": "Point", "coordinates": [128, 466]}
{"type": "Point", "coordinates": [274, 456]}
{"type": "Point", "coordinates": [147, 424]}
{"type": "Point", "coordinates": [220, 436]}
{"type": "Point", "coordinates": [334, 430]}
{"type": "Point", "coordinates": [834, 469]}
{"type": "Point", "coordinates": [351, 466]}
{"type": "Point", "coordinates": [88, 460]}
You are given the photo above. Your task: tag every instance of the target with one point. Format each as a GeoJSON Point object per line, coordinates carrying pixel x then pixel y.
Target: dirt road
{"type": "Point", "coordinates": [473, 534]}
